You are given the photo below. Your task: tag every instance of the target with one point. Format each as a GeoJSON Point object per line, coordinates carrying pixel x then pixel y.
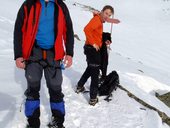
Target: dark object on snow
{"type": "Point", "coordinates": [110, 84]}
{"type": "Point", "coordinates": [106, 36]}
{"type": "Point", "coordinates": [77, 37]}
{"type": "Point", "coordinates": [54, 123]}
{"type": "Point", "coordinates": [80, 89]}
{"type": "Point", "coordinates": [93, 102]}
{"type": "Point", "coordinates": [104, 54]}
{"type": "Point", "coordinates": [164, 98]}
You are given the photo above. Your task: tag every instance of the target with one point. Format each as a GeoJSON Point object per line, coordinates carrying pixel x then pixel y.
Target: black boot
{"type": "Point", "coordinates": [33, 123]}
{"type": "Point", "coordinates": [32, 111]}
{"type": "Point", "coordinates": [80, 89]}
{"type": "Point", "coordinates": [55, 123]}
{"type": "Point", "coordinates": [93, 102]}
{"type": "Point", "coordinates": [28, 126]}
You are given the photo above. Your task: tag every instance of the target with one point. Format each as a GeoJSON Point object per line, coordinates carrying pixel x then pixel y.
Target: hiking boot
{"type": "Point", "coordinates": [80, 89]}
{"type": "Point", "coordinates": [93, 102]}
{"type": "Point", "coordinates": [54, 123]}
{"type": "Point", "coordinates": [28, 126]}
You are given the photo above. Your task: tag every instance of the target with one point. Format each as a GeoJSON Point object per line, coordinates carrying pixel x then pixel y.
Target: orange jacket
{"type": "Point", "coordinates": [93, 31]}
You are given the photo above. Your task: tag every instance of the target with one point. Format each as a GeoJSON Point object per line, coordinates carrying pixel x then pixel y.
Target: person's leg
{"type": "Point", "coordinates": [94, 82]}
{"type": "Point", "coordinates": [94, 62]}
{"type": "Point", "coordinates": [84, 77]}
{"type": "Point", "coordinates": [33, 74]}
{"type": "Point", "coordinates": [86, 74]}
{"type": "Point", "coordinates": [54, 81]}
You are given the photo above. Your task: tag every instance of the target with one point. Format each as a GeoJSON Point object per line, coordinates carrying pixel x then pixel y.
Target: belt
{"type": "Point", "coordinates": [44, 51]}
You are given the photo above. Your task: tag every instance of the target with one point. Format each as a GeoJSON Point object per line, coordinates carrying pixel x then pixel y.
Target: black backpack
{"type": "Point", "coordinates": [110, 84]}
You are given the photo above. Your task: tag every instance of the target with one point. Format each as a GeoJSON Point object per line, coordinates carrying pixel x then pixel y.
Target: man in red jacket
{"type": "Point", "coordinates": [43, 37]}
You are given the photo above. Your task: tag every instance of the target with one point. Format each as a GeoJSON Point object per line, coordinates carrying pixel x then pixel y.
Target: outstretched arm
{"type": "Point", "coordinates": [112, 20]}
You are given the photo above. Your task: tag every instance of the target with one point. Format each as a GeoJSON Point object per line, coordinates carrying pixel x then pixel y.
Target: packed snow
{"type": "Point", "coordinates": [140, 54]}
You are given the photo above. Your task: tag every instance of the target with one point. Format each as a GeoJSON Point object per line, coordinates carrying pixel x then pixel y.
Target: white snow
{"type": "Point", "coordinates": [140, 53]}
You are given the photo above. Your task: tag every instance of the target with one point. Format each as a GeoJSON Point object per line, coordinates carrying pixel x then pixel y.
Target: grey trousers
{"type": "Point", "coordinates": [52, 72]}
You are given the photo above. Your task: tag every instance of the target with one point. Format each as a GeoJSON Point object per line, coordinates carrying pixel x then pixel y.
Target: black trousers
{"type": "Point", "coordinates": [93, 65]}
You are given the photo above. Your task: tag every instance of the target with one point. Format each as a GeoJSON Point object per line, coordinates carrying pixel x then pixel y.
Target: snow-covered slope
{"type": "Point", "coordinates": [140, 53]}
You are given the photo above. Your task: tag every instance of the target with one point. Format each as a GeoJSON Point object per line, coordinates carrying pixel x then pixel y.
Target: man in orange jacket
{"type": "Point", "coordinates": [93, 31]}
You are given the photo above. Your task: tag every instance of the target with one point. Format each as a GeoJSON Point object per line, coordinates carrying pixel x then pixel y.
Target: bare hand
{"type": "Point", "coordinates": [96, 12]}
{"type": "Point", "coordinates": [68, 61]}
{"type": "Point", "coordinates": [20, 63]}
{"type": "Point", "coordinates": [108, 42]}
{"type": "Point", "coordinates": [96, 47]}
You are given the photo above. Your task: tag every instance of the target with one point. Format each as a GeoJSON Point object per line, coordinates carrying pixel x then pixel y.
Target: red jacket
{"type": "Point", "coordinates": [26, 27]}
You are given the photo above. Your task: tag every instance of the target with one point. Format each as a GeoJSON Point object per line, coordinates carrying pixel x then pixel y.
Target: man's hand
{"type": "Point", "coordinates": [108, 42]}
{"type": "Point", "coordinates": [96, 47]}
{"type": "Point", "coordinates": [68, 61]}
{"type": "Point", "coordinates": [96, 12]}
{"type": "Point", "coordinates": [20, 63]}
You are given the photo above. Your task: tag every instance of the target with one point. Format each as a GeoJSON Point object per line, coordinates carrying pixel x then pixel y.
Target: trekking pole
{"type": "Point", "coordinates": [111, 29]}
